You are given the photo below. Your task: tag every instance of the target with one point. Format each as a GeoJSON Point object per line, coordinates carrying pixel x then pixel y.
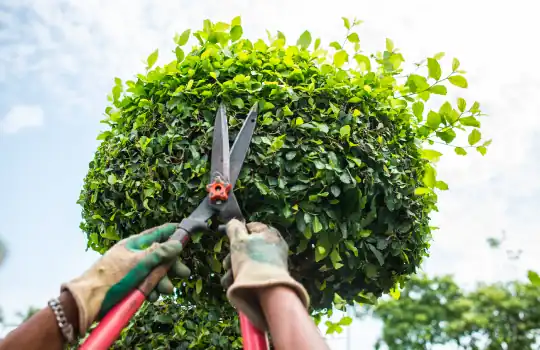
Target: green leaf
{"type": "Point", "coordinates": [320, 253]}
{"type": "Point", "coordinates": [345, 178]}
{"type": "Point", "coordinates": [474, 136]}
{"type": "Point", "coordinates": [459, 81]}
{"type": "Point", "coordinates": [438, 89]}
{"type": "Point", "coordinates": [152, 58]}
{"type": "Point", "coordinates": [164, 319]}
{"type": "Point", "coordinates": [395, 293]}
{"type": "Point", "coordinates": [340, 58]}
{"type": "Point", "coordinates": [111, 179]}
{"type": "Point", "coordinates": [217, 246]}
{"type": "Point", "coordinates": [421, 191]}
{"type": "Point", "coordinates": [236, 33]}
{"type": "Point", "coordinates": [462, 104]}
{"type": "Point", "coordinates": [103, 135]}
{"type": "Point", "coordinates": [389, 45]}
{"type": "Point", "coordinates": [469, 121]}
{"type": "Point", "coordinates": [533, 277]}
{"type": "Point", "coordinates": [438, 55]}
{"type": "Point", "coordinates": [445, 109]}
{"type": "Point", "coordinates": [179, 54]}
{"type": "Point", "coordinates": [110, 233]}
{"type": "Point", "coordinates": [299, 187]}
{"type": "Point", "coordinates": [336, 259]}
{"type": "Point", "coordinates": [317, 44]}
{"type": "Point", "coordinates": [429, 177]}
{"type": "Point", "coordinates": [447, 136]}
{"type": "Point", "coordinates": [198, 286]}
{"type": "Point", "coordinates": [353, 38]}
{"type": "Point", "coordinates": [277, 143]}
{"type": "Point", "coordinates": [183, 38]}
{"type": "Point", "coordinates": [460, 151]}
{"type": "Point", "coordinates": [237, 21]}
{"type": "Point", "coordinates": [215, 265]}
{"type": "Point", "coordinates": [345, 321]}
{"type": "Point", "coordinates": [221, 27]}
{"type": "Point", "coordinates": [441, 185]}
{"type": "Point", "coordinates": [433, 119]}
{"type": "Point", "coordinates": [317, 226]}
{"type": "Point", "coordinates": [364, 233]}
{"type": "Point", "coordinates": [363, 62]}
{"type": "Point", "coordinates": [346, 22]}
{"type": "Point", "coordinates": [377, 254]}
{"type": "Point", "coordinates": [482, 150]}
{"type": "Point", "coordinates": [238, 102]}
{"type": "Point", "coordinates": [431, 155]}
{"type": "Point", "coordinates": [350, 246]}
{"type": "Point", "coordinates": [455, 64]}
{"type": "Point", "coordinates": [418, 109]}
{"type": "Point", "coordinates": [305, 40]}
{"type": "Point", "coordinates": [335, 45]}
{"type": "Point", "coordinates": [434, 68]}
{"type": "Point", "coordinates": [345, 131]}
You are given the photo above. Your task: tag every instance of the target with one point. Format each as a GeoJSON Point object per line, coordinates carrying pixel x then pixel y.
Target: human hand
{"type": "Point", "coordinates": [258, 260]}
{"type": "Point", "coordinates": [123, 268]}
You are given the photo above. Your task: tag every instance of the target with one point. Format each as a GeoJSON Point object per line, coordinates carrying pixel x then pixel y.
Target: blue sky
{"type": "Point", "coordinates": [58, 59]}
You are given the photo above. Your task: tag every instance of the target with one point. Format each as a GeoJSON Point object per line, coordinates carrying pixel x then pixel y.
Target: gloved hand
{"type": "Point", "coordinates": [123, 268]}
{"type": "Point", "coordinates": [256, 261]}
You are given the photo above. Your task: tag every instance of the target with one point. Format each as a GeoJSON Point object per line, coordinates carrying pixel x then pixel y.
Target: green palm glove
{"type": "Point", "coordinates": [123, 268]}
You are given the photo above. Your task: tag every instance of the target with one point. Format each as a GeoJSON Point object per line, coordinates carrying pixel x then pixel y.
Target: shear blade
{"type": "Point", "coordinates": [220, 146]}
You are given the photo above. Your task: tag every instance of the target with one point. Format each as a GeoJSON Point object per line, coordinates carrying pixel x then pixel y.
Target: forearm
{"type": "Point", "coordinates": [41, 331]}
{"type": "Point", "coordinates": [290, 325]}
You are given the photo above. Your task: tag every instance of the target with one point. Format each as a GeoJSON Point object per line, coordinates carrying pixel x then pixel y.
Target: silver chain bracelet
{"type": "Point", "coordinates": [63, 324]}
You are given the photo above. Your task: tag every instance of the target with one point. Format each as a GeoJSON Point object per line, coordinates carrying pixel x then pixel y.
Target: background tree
{"type": "Point", "coordinates": [335, 164]}
{"type": "Point", "coordinates": [436, 311]}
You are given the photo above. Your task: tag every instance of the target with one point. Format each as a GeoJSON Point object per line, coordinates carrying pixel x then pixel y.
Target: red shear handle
{"type": "Point", "coordinates": [253, 338]}
{"type": "Point", "coordinates": [111, 325]}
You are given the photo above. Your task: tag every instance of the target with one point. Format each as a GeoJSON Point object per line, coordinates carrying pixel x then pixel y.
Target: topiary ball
{"type": "Point", "coordinates": [335, 162]}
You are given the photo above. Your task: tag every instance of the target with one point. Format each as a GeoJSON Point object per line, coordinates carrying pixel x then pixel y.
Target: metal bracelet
{"type": "Point", "coordinates": [63, 324]}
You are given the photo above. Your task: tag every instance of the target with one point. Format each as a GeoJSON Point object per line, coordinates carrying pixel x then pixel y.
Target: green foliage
{"type": "Point", "coordinates": [534, 278]}
{"type": "Point", "coordinates": [335, 163]}
{"type": "Point", "coordinates": [168, 325]}
{"type": "Point", "coordinates": [436, 311]}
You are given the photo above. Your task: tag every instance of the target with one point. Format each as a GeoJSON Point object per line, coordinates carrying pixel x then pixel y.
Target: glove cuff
{"type": "Point", "coordinates": [244, 292]}
{"type": "Point", "coordinates": [88, 294]}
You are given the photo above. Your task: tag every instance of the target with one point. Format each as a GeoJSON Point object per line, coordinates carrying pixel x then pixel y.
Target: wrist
{"type": "Point", "coordinates": [269, 294]}
{"type": "Point", "coordinates": [71, 309]}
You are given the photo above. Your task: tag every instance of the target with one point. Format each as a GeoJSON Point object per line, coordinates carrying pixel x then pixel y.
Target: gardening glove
{"type": "Point", "coordinates": [123, 268]}
{"type": "Point", "coordinates": [258, 259]}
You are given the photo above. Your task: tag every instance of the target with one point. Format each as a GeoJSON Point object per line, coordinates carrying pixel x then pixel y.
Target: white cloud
{"type": "Point", "coordinates": [21, 117]}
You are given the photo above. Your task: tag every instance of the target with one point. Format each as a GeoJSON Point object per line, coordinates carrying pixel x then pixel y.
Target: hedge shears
{"type": "Point", "coordinates": [220, 203]}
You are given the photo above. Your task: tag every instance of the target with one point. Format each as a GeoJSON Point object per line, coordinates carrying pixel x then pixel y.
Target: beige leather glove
{"type": "Point", "coordinates": [122, 269]}
{"type": "Point", "coordinates": [258, 259]}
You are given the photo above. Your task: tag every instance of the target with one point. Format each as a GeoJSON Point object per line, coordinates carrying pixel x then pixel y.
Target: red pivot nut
{"type": "Point", "coordinates": [218, 191]}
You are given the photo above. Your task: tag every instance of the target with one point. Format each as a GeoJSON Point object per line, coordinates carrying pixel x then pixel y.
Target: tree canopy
{"type": "Point", "coordinates": [337, 162]}
{"type": "Point", "coordinates": [436, 311]}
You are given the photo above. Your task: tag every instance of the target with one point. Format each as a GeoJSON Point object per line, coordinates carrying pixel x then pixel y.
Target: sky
{"type": "Point", "coordinates": [58, 59]}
